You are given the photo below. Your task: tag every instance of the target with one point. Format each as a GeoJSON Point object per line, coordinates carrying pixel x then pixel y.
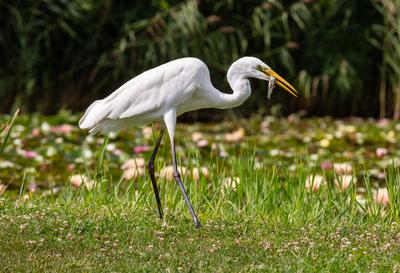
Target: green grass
{"type": "Point", "coordinates": [266, 224]}
{"type": "Point", "coordinates": [63, 236]}
{"type": "Point", "coordinates": [268, 221]}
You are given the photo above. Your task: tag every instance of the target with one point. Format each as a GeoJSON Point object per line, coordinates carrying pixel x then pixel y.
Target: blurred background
{"type": "Point", "coordinates": [343, 56]}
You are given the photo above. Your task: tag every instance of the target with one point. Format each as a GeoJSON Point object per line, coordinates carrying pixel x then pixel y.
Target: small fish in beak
{"type": "Point", "coordinates": [271, 86]}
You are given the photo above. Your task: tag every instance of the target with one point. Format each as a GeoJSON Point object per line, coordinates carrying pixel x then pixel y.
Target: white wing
{"type": "Point", "coordinates": [151, 93]}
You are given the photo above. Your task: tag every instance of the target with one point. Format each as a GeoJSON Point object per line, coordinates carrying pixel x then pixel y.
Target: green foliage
{"type": "Point", "coordinates": [386, 37]}
{"type": "Point", "coordinates": [64, 54]}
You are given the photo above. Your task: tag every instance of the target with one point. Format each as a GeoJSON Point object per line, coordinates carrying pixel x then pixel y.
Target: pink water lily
{"type": "Point", "coordinates": [202, 143]}
{"type": "Point", "coordinates": [141, 149]}
{"type": "Point", "coordinates": [35, 132]}
{"type": "Point", "coordinates": [381, 196]}
{"type": "Point", "coordinates": [381, 152]}
{"type": "Point", "coordinates": [133, 163]}
{"type": "Point", "coordinates": [343, 168]}
{"type": "Point", "coordinates": [29, 154]}
{"type": "Point", "coordinates": [62, 129]}
{"type": "Point", "coordinates": [343, 182]}
{"type": "Point", "coordinates": [199, 172]}
{"type": "Point", "coordinates": [235, 136]}
{"type": "Point", "coordinates": [78, 180]}
{"type": "Point", "coordinates": [314, 182]}
{"type": "Point", "coordinates": [133, 173]}
{"type": "Point", "coordinates": [33, 187]}
{"type": "Point", "coordinates": [133, 168]}
{"type": "Point", "coordinates": [326, 165]}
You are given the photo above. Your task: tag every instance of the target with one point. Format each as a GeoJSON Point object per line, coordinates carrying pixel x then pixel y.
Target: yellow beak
{"type": "Point", "coordinates": [281, 82]}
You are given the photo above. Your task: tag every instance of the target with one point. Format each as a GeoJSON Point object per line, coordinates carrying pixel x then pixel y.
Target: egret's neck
{"type": "Point", "coordinates": [240, 85]}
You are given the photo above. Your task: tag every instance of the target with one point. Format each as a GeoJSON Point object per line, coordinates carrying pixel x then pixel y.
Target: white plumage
{"type": "Point", "coordinates": [147, 97]}
{"type": "Point", "coordinates": [169, 90]}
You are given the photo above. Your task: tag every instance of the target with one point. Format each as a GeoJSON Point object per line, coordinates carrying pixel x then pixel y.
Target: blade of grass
{"type": "Point", "coordinates": [8, 128]}
{"type": "Point", "coordinates": [101, 158]}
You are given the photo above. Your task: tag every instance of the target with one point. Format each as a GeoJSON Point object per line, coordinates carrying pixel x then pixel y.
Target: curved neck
{"type": "Point", "coordinates": [240, 85]}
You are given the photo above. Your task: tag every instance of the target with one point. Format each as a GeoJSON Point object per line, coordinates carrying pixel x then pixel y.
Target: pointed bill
{"type": "Point", "coordinates": [281, 82]}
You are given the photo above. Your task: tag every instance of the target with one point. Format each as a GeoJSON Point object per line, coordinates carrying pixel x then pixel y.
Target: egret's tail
{"type": "Point", "coordinates": [94, 115]}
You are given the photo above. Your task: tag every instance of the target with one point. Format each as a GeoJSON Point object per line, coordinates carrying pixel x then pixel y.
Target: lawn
{"type": "Point", "coordinates": [272, 194]}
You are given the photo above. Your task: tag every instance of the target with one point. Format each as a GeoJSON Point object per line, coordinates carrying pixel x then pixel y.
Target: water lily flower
{"type": "Point", "coordinates": [133, 168]}
{"type": "Point", "coordinates": [70, 167]}
{"type": "Point", "coordinates": [87, 153]}
{"type": "Point", "coordinates": [33, 187]}
{"type": "Point", "coordinates": [326, 165]}
{"type": "Point", "coordinates": [274, 152]}
{"type": "Point", "coordinates": [381, 152]}
{"type": "Point", "coordinates": [230, 183]}
{"type": "Point", "coordinates": [235, 136]}
{"type": "Point", "coordinates": [141, 149]}
{"type": "Point", "coordinates": [168, 172]}
{"type": "Point", "coordinates": [117, 152]}
{"type": "Point", "coordinates": [17, 142]}
{"type": "Point", "coordinates": [77, 180]}
{"type": "Point", "coordinates": [324, 143]}
{"type": "Point", "coordinates": [147, 132]}
{"type": "Point", "coordinates": [202, 143]}
{"type": "Point", "coordinates": [314, 182]}
{"type": "Point", "coordinates": [196, 136]}
{"type": "Point", "coordinates": [51, 151]}
{"type": "Point", "coordinates": [381, 196]}
{"type": "Point", "coordinates": [111, 135]}
{"type": "Point", "coordinates": [306, 139]}
{"type": "Point", "coordinates": [62, 129]}
{"type": "Point", "coordinates": [29, 154]}
{"type": "Point", "coordinates": [343, 168]}
{"type": "Point", "coordinates": [377, 174]}
{"type": "Point", "coordinates": [6, 164]}
{"type": "Point", "coordinates": [35, 132]}
{"type": "Point", "coordinates": [264, 126]}
{"type": "Point", "coordinates": [197, 172]}
{"type": "Point", "coordinates": [133, 173]}
{"type": "Point", "coordinates": [383, 122]}
{"type": "Point", "coordinates": [390, 137]}
{"type": "Point", "coordinates": [89, 139]}
{"type": "Point", "coordinates": [342, 182]}
{"type": "Point", "coordinates": [258, 165]}
{"type": "Point", "coordinates": [45, 127]}
{"type": "Point", "coordinates": [111, 147]}
{"type": "Point", "coordinates": [133, 163]}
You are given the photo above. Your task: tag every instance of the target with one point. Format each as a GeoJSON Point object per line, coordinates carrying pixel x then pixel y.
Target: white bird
{"type": "Point", "coordinates": [169, 90]}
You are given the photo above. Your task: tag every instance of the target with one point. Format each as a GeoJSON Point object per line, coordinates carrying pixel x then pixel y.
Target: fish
{"type": "Point", "coordinates": [271, 86]}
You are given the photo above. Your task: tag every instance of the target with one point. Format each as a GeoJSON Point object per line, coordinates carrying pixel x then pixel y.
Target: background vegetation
{"type": "Point", "coordinates": [342, 55]}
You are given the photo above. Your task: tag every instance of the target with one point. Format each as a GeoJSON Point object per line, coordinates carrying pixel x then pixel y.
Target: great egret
{"type": "Point", "coordinates": [169, 90]}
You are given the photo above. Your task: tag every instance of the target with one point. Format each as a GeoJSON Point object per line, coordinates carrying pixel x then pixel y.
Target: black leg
{"type": "Point", "coordinates": [152, 175]}
{"type": "Point", "coordinates": [178, 180]}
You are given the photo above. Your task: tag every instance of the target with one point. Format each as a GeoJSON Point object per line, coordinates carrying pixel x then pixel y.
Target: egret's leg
{"type": "Point", "coordinates": [170, 122]}
{"type": "Point", "coordinates": [178, 180]}
{"type": "Point", "coordinates": [152, 175]}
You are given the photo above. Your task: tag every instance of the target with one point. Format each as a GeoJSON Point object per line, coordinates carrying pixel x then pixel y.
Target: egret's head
{"type": "Point", "coordinates": [255, 68]}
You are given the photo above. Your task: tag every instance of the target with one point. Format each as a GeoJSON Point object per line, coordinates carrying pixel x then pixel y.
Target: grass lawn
{"type": "Point", "coordinates": [60, 236]}
{"type": "Point", "coordinates": [273, 195]}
